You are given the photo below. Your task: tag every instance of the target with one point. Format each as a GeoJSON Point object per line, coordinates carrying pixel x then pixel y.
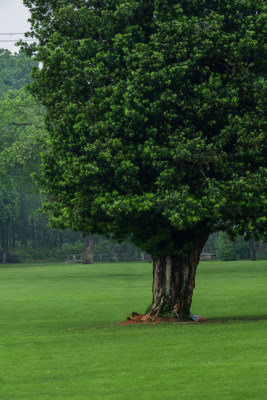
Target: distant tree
{"type": "Point", "coordinates": [88, 252]}
{"type": "Point", "coordinates": [225, 248]}
{"type": "Point", "coordinates": [241, 247]}
{"type": "Point", "coordinates": [15, 70]}
{"type": "Point", "coordinates": [22, 132]}
{"type": "Point", "coordinates": [155, 113]}
{"type": "Point", "coordinates": [9, 207]}
{"type": "Point", "coordinates": [210, 244]}
{"type": "Point", "coordinates": [252, 250]}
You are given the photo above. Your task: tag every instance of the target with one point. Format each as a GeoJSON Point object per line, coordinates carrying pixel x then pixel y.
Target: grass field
{"type": "Point", "coordinates": [58, 339]}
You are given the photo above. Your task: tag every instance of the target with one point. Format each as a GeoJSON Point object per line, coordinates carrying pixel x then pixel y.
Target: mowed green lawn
{"type": "Point", "coordinates": [58, 339]}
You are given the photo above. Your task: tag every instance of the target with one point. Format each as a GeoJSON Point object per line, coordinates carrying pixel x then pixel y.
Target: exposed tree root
{"type": "Point", "coordinates": [153, 316]}
{"type": "Point", "coordinates": [154, 319]}
{"type": "Point", "coordinates": [167, 310]}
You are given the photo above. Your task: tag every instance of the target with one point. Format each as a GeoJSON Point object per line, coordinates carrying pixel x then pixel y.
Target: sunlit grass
{"type": "Point", "coordinates": [58, 339]}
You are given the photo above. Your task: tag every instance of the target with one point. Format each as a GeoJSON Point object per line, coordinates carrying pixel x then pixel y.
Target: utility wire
{"type": "Point", "coordinates": [17, 40]}
{"type": "Point", "coordinates": [13, 33]}
{"type": "Point", "coordinates": [14, 40]}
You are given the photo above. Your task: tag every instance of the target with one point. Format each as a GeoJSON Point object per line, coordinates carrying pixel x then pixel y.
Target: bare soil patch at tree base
{"type": "Point", "coordinates": [140, 319]}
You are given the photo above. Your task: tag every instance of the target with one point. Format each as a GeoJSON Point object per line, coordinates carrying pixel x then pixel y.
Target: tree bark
{"type": "Point", "coordinates": [173, 284]}
{"type": "Point", "coordinates": [252, 250]}
{"type": "Point", "coordinates": [33, 233]}
{"type": "Point", "coordinates": [258, 247]}
{"type": "Point", "coordinates": [13, 236]}
{"type": "Point", "coordinates": [88, 255]}
{"type": "Point", "coordinates": [3, 237]}
{"type": "Point", "coordinates": [50, 241]}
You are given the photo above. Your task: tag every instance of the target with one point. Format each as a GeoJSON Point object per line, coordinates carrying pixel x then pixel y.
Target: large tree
{"type": "Point", "coordinates": [155, 114]}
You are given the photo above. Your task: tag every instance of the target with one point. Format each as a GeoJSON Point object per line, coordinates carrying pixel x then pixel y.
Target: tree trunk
{"type": "Point", "coordinates": [13, 236]}
{"type": "Point", "coordinates": [7, 238]}
{"type": "Point", "coordinates": [258, 247]}
{"type": "Point", "coordinates": [3, 237]}
{"type": "Point", "coordinates": [173, 284]}
{"type": "Point", "coordinates": [60, 239]}
{"type": "Point", "coordinates": [252, 250]}
{"type": "Point", "coordinates": [88, 256]}
{"type": "Point", "coordinates": [33, 233]}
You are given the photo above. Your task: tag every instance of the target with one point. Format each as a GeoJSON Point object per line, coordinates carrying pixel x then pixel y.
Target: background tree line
{"type": "Point", "coordinates": [24, 232]}
{"type": "Point", "coordinates": [226, 249]}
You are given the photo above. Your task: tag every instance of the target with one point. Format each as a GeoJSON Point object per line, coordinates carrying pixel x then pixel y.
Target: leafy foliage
{"type": "Point", "coordinates": [9, 202]}
{"type": "Point", "coordinates": [22, 131]}
{"type": "Point", "coordinates": [225, 248]}
{"type": "Point", "coordinates": [14, 71]}
{"type": "Point", "coordinates": [241, 247]}
{"type": "Point", "coordinates": [155, 113]}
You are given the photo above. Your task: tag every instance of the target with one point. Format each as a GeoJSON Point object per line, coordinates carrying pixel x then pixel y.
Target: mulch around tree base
{"type": "Point", "coordinates": [137, 319]}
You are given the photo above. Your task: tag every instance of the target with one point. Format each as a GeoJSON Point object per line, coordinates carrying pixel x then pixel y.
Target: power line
{"type": "Point", "coordinates": [12, 33]}
{"type": "Point", "coordinates": [24, 40]}
{"type": "Point", "coordinates": [14, 40]}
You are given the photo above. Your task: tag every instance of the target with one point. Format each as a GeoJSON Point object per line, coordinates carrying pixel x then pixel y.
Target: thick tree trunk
{"type": "Point", "coordinates": [173, 284]}
{"type": "Point", "coordinates": [88, 253]}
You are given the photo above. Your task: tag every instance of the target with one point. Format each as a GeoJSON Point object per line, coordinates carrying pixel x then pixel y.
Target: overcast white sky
{"type": "Point", "coordinates": [13, 19]}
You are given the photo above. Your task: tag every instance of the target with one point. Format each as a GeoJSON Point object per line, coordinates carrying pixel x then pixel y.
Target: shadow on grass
{"type": "Point", "coordinates": [241, 318]}
{"type": "Point", "coordinates": [219, 320]}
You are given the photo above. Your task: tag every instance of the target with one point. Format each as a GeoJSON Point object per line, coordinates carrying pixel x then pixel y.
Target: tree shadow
{"type": "Point", "coordinates": [241, 318]}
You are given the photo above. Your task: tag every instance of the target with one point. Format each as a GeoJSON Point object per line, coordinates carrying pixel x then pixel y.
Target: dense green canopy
{"type": "Point", "coordinates": [155, 111]}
